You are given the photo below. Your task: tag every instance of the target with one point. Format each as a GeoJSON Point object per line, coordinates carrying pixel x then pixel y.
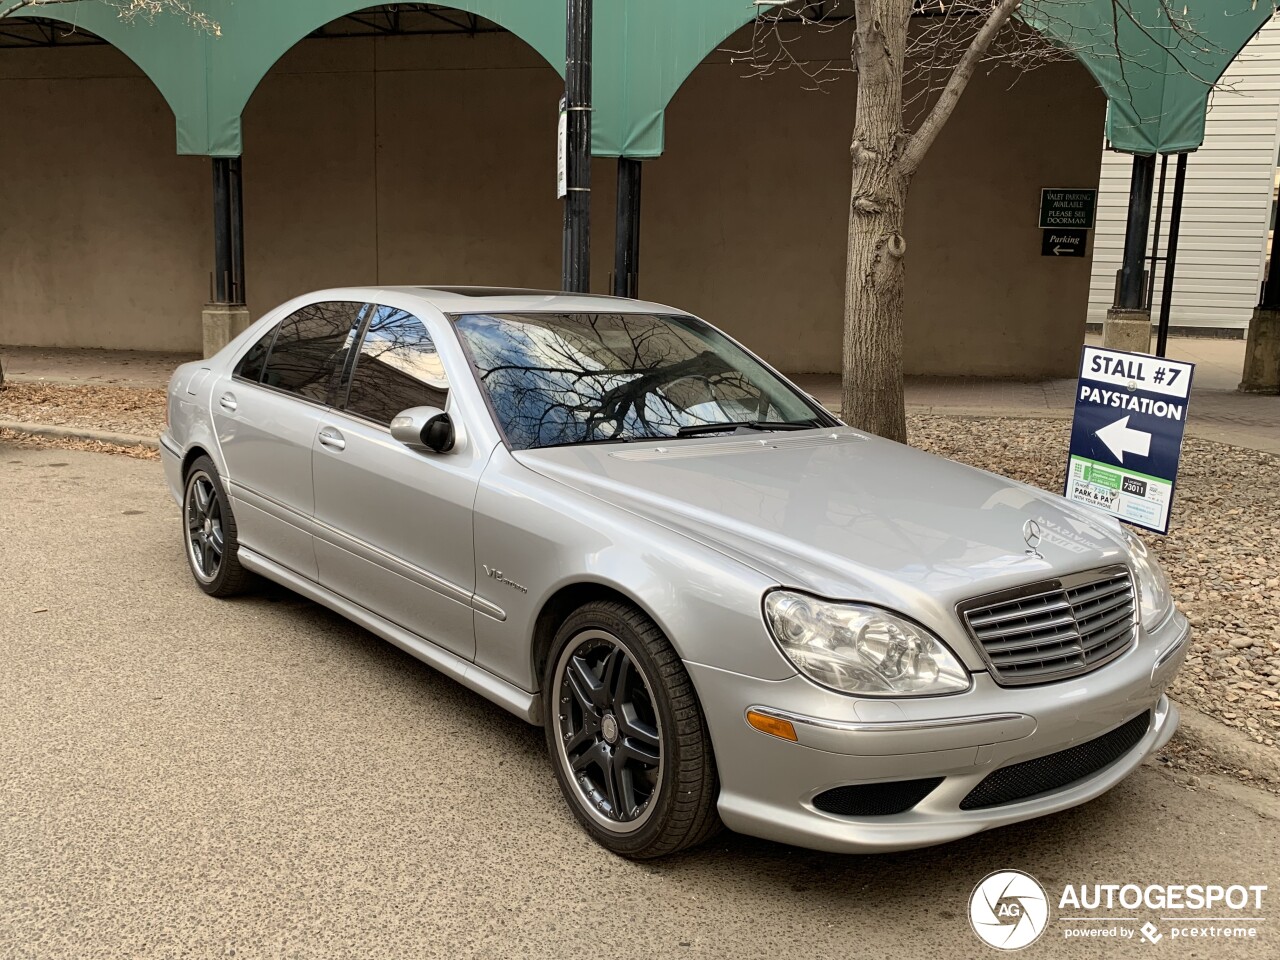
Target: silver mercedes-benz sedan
{"type": "Point", "coordinates": [722, 604]}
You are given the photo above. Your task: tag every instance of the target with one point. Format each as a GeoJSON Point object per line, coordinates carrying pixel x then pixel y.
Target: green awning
{"type": "Point", "coordinates": [1157, 77]}
{"type": "Point", "coordinates": [1157, 85]}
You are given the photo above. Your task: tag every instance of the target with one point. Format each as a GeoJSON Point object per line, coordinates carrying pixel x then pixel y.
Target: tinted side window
{"type": "Point", "coordinates": [250, 365]}
{"type": "Point", "coordinates": [397, 368]}
{"type": "Point", "coordinates": [310, 348]}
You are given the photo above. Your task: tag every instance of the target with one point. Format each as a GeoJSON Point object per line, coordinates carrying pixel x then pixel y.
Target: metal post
{"type": "Point", "coordinates": [576, 252]}
{"type": "Point", "coordinates": [228, 232]}
{"type": "Point", "coordinates": [1155, 230]}
{"type": "Point", "coordinates": [1271, 288]}
{"type": "Point", "coordinates": [221, 230]}
{"type": "Point", "coordinates": [1171, 257]}
{"type": "Point", "coordinates": [237, 232]}
{"type": "Point", "coordinates": [626, 241]}
{"type": "Point", "coordinates": [1129, 296]}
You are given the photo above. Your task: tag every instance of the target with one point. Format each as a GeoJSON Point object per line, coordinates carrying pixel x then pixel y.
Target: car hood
{"type": "Point", "coordinates": [844, 514]}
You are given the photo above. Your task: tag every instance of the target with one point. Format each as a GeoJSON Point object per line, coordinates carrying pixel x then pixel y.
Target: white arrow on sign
{"type": "Point", "coordinates": [1120, 439]}
{"type": "Point", "coordinates": [1059, 251]}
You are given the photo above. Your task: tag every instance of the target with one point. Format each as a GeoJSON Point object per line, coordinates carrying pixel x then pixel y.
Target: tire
{"type": "Point", "coordinates": [209, 532]}
{"type": "Point", "coordinates": [626, 734]}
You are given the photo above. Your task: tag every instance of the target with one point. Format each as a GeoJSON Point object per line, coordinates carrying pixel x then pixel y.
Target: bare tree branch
{"type": "Point", "coordinates": [923, 138]}
{"type": "Point", "coordinates": [127, 10]}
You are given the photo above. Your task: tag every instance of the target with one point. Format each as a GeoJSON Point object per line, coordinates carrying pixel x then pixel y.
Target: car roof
{"type": "Point", "coordinates": [479, 299]}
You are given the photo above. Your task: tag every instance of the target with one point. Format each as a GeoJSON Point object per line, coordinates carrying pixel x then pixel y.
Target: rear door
{"type": "Point", "coordinates": [267, 414]}
{"type": "Point", "coordinates": [393, 524]}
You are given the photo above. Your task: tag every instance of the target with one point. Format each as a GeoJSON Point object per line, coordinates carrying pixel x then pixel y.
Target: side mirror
{"type": "Point", "coordinates": [424, 427]}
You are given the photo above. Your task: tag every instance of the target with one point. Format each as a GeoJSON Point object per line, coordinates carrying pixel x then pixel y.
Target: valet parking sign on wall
{"type": "Point", "coordinates": [1126, 439]}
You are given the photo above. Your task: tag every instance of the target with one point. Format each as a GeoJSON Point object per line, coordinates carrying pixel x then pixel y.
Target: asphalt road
{"type": "Point", "coordinates": [181, 776]}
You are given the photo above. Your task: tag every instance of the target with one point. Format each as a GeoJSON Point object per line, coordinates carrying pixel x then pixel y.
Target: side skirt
{"type": "Point", "coordinates": [527, 706]}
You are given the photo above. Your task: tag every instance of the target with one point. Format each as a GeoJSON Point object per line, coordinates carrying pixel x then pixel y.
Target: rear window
{"type": "Point", "coordinates": [250, 365]}
{"type": "Point", "coordinates": [310, 348]}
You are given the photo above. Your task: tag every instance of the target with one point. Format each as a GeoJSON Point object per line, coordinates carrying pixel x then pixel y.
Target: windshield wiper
{"type": "Point", "coordinates": [697, 429]}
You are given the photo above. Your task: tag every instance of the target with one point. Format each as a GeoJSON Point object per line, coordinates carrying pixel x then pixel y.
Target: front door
{"type": "Point", "coordinates": [267, 414]}
{"type": "Point", "coordinates": [393, 524]}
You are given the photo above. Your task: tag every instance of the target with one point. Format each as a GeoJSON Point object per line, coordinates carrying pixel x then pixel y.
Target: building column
{"type": "Point", "coordinates": [626, 241]}
{"type": "Point", "coordinates": [225, 316]}
{"type": "Point", "coordinates": [1262, 351]}
{"type": "Point", "coordinates": [1128, 323]}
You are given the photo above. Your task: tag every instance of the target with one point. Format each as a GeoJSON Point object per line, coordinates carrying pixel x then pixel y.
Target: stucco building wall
{"type": "Point", "coordinates": [431, 159]}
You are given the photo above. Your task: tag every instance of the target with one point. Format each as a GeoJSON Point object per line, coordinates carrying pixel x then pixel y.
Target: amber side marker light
{"type": "Point", "coordinates": [772, 725]}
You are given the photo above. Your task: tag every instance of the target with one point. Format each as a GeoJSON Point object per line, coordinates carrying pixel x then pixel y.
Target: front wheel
{"type": "Point", "coordinates": [626, 734]}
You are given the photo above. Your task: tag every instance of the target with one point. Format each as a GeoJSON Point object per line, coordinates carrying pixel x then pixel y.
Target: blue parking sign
{"type": "Point", "coordinates": [1126, 438]}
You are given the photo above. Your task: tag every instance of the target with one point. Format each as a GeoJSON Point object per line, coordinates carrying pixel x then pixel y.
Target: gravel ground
{"type": "Point", "coordinates": [1219, 555]}
{"type": "Point", "coordinates": [117, 409]}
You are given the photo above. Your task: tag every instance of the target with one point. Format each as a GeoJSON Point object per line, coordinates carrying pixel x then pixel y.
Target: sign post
{"type": "Point", "coordinates": [1126, 438]}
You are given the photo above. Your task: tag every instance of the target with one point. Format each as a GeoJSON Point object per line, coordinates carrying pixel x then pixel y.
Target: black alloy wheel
{"type": "Point", "coordinates": [626, 734]}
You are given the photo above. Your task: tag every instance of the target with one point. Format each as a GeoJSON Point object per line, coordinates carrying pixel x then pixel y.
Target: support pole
{"type": "Point", "coordinates": [1136, 231]}
{"type": "Point", "coordinates": [1262, 351]}
{"type": "Point", "coordinates": [221, 230]}
{"type": "Point", "coordinates": [576, 252]}
{"type": "Point", "coordinates": [626, 241]}
{"type": "Point", "coordinates": [226, 314]}
{"type": "Point", "coordinates": [228, 231]}
{"type": "Point", "coordinates": [1271, 288]}
{"type": "Point", "coordinates": [1155, 230]}
{"type": "Point", "coordinates": [237, 233]}
{"type": "Point", "coordinates": [1128, 324]}
{"type": "Point", "coordinates": [1171, 256]}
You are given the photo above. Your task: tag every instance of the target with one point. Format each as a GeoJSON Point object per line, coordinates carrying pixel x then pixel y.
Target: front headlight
{"type": "Point", "coordinates": [1155, 600]}
{"type": "Point", "coordinates": [859, 649]}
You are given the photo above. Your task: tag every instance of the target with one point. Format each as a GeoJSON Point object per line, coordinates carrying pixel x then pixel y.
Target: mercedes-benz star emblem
{"type": "Point", "coordinates": [1031, 533]}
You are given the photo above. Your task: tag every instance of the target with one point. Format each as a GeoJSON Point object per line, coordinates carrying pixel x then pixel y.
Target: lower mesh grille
{"type": "Point", "coordinates": [1044, 774]}
{"type": "Point", "coordinates": [875, 799]}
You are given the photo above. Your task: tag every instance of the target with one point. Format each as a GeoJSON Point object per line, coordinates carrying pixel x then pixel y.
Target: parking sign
{"type": "Point", "coordinates": [1126, 438]}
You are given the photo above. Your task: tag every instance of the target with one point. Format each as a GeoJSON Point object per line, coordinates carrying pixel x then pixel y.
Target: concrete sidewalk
{"type": "Point", "coordinates": [1217, 411]}
{"type": "Point", "coordinates": [100, 368]}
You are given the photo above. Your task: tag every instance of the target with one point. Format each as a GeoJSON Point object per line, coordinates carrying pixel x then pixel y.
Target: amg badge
{"type": "Point", "coordinates": [495, 574]}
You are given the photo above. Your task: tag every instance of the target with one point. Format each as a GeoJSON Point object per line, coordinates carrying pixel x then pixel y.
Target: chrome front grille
{"type": "Point", "coordinates": [1054, 629]}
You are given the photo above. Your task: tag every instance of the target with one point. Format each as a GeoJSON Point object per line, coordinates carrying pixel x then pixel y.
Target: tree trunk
{"type": "Point", "coordinates": [871, 394]}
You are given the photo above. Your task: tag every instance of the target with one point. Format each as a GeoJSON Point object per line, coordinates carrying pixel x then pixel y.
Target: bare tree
{"type": "Point", "coordinates": [127, 10]}
{"type": "Point", "coordinates": [912, 60]}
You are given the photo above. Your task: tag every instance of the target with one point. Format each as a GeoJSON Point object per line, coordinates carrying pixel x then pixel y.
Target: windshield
{"type": "Point", "coordinates": [563, 378]}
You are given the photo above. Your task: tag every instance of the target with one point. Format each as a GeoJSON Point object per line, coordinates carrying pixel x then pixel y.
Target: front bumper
{"type": "Point", "coordinates": [768, 784]}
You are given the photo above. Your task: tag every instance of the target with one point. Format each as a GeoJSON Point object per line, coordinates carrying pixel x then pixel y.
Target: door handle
{"type": "Point", "coordinates": [227, 402]}
{"type": "Point", "coordinates": [331, 438]}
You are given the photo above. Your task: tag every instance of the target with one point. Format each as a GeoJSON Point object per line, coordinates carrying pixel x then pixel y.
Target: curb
{"type": "Point", "coordinates": [1229, 746]}
{"type": "Point", "coordinates": [79, 433]}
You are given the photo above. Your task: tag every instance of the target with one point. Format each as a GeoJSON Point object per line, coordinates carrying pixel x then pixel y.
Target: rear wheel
{"type": "Point", "coordinates": [209, 529]}
{"type": "Point", "coordinates": [626, 734]}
